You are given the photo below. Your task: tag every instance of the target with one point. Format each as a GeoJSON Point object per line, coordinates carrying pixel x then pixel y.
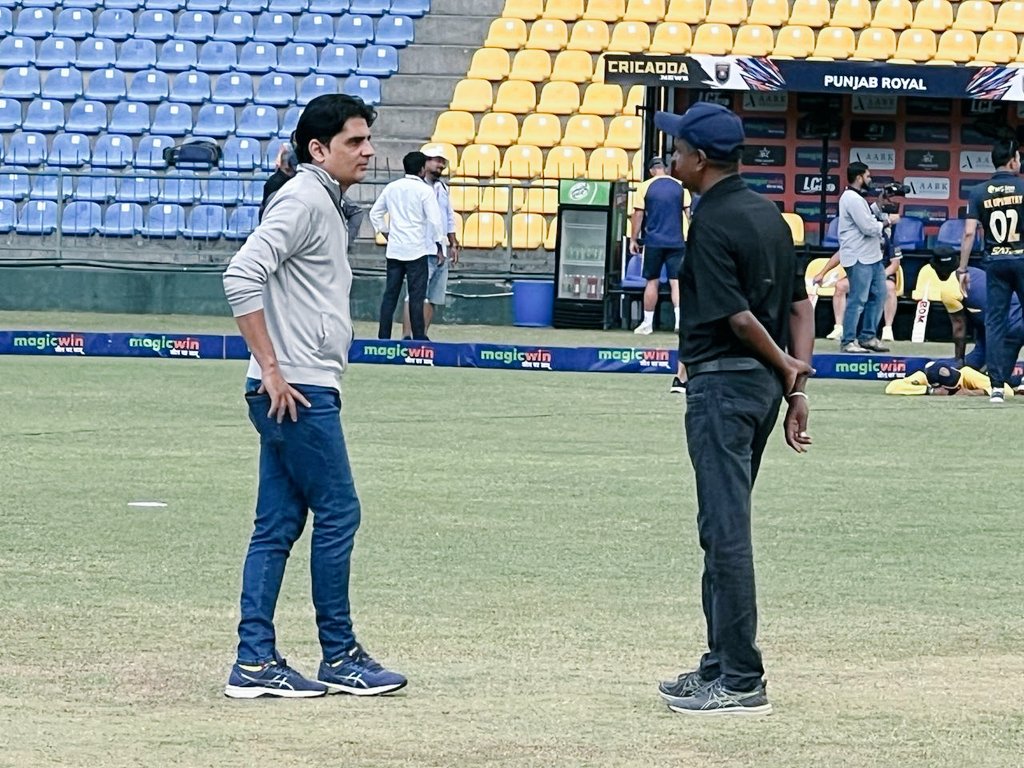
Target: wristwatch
{"type": "Point", "coordinates": [961, 271]}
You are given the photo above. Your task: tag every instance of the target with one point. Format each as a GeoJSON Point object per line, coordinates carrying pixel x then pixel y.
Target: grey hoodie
{"type": "Point", "coordinates": [295, 268]}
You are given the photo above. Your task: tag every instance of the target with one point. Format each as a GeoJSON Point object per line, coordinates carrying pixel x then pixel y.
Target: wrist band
{"type": "Point", "coordinates": [798, 394]}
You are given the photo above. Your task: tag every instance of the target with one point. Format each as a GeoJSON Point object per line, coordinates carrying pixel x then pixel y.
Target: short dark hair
{"type": "Point", "coordinates": [414, 162]}
{"type": "Point", "coordinates": [324, 118]}
{"type": "Point", "coordinates": [1003, 151]}
{"type": "Point", "coordinates": [854, 170]}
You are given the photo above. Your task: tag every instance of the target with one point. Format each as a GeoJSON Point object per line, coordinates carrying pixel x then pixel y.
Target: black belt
{"type": "Point", "coordinates": [725, 365]}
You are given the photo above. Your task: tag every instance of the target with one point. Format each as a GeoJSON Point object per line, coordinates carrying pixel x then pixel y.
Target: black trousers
{"type": "Point", "coordinates": [415, 274]}
{"type": "Point", "coordinates": [729, 417]}
{"type": "Point", "coordinates": [1005, 277]}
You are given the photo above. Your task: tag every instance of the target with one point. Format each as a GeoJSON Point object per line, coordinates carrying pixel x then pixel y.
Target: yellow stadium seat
{"type": "Point", "coordinates": [483, 230]}
{"type": "Point", "coordinates": [975, 15]}
{"type": "Point", "coordinates": [509, 34]}
{"type": "Point", "coordinates": [893, 14]}
{"type": "Point", "coordinates": [602, 99]}
{"type": "Point", "coordinates": [625, 132]}
{"type": "Point", "coordinates": [876, 44]}
{"type": "Point", "coordinates": [630, 37]}
{"type": "Point", "coordinates": [472, 96]}
{"type": "Point", "coordinates": [516, 96]}
{"type": "Point", "coordinates": [671, 37]}
{"type": "Point", "coordinates": [928, 282]}
{"type": "Point", "coordinates": [636, 173]}
{"type": "Point", "coordinates": [527, 10]}
{"type": "Point", "coordinates": [498, 128]}
{"type": "Point", "coordinates": [608, 163]}
{"type": "Point", "coordinates": [753, 40]}
{"type": "Point", "coordinates": [528, 230]}
{"type": "Point", "coordinates": [454, 128]}
{"type": "Point", "coordinates": [541, 130]}
{"type": "Point", "coordinates": [651, 11]}
{"type": "Point", "coordinates": [957, 45]}
{"type": "Point", "coordinates": [998, 47]}
{"type": "Point", "coordinates": [489, 64]}
{"type": "Point", "coordinates": [551, 241]}
{"type": "Point", "coordinates": [566, 10]}
{"type": "Point", "coordinates": [548, 35]}
{"type": "Point", "coordinates": [522, 161]}
{"type": "Point", "coordinates": [591, 35]}
{"type": "Point", "coordinates": [855, 14]}
{"type": "Point", "coordinates": [634, 98]}
{"type": "Point", "coordinates": [586, 131]}
{"type": "Point", "coordinates": [796, 226]}
{"type": "Point", "coordinates": [936, 15]}
{"type": "Point", "coordinates": [1011, 17]}
{"type": "Point", "coordinates": [533, 66]}
{"type": "Point", "coordinates": [559, 99]}
{"type": "Point", "coordinates": [605, 10]}
{"type": "Point", "coordinates": [687, 11]}
{"type": "Point", "coordinates": [458, 227]}
{"type": "Point", "coordinates": [794, 42]}
{"type": "Point", "coordinates": [714, 39]}
{"type": "Point", "coordinates": [773, 13]}
{"type": "Point", "coordinates": [810, 13]}
{"type": "Point", "coordinates": [565, 163]}
{"type": "Point", "coordinates": [534, 198]}
{"type": "Point", "coordinates": [480, 160]}
{"type": "Point", "coordinates": [465, 194]}
{"type": "Point", "coordinates": [496, 196]}
{"type": "Point", "coordinates": [444, 149]}
{"type": "Point", "coordinates": [731, 12]}
{"type": "Point", "coordinates": [835, 43]}
{"type": "Point", "coordinates": [815, 266]}
{"type": "Point", "coordinates": [916, 45]}
{"type": "Point", "coordinates": [573, 67]}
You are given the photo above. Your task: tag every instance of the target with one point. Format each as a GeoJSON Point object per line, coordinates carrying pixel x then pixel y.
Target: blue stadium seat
{"type": "Point", "coordinates": [64, 83]}
{"type": "Point", "coordinates": [354, 29]}
{"type": "Point", "coordinates": [81, 219]}
{"type": "Point", "coordinates": [255, 122]}
{"type": "Point", "coordinates": [240, 154]}
{"type": "Point", "coordinates": [122, 220]}
{"type": "Point", "coordinates": [247, 6]}
{"type": "Point", "coordinates": [235, 27]}
{"type": "Point", "coordinates": [214, 6]}
{"type": "Point", "coordinates": [951, 234]}
{"type": "Point", "coordinates": [6, 19]}
{"type": "Point", "coordinates": [316, 85]}
{"type": "Point", "coordinates": [51, 186]}
{"type": "Point", "coordinates": [96, 53]}
{"type": "Point", "coordinates": [87, 117]}
{"type": "Point", "coordinates": [150, 153]}
{"type": "Point", "coordinates": [55, 52]}
{"type": "Point", "coordinates": [218, 56]}
{"type": "Point", "coordinates": [45, 115]}
{"type": "Point", "coordinates": [274, 28]}
{"type": "Point", "coordinates": [205, 222]}
{"type": "Point", "coordinates": [314, 28]}
{"type": "Point", "coordinates": [70, 150]}
{"type": "Point", "coordinates": [106, 85]}
{"type": "Point", "coordinates": [831, 238]}
{"type": "Point", "coordinates": [126, 5]}
{"type": "Point", "coordinates": [182, 188]}
{"type": "Point", "coordinates": [378, 60]}
{"type": "Point", "coordinates": [130, 117]}
{"type": "Point", "coordinates": [176, 55]}
{"type": "Point", "coordinates": [154, 25]}
{"type": "Point", "coordinates": [216, 120]}
{"type": "Point", "coordinates": [297, 59]}
{"type": "Point", "coordinates": [117, 24]}
{"type": "Point", "coordinates": [74, 22]}
{"type": "Point", "coordinates": [150, 85]}
{"type": "Point", "coordinates": [8, 216]}
{"type": "Point", "coordinates": [37, 23]}
{"type": "Point", "coordinates": [289, 122]}
{"type": "Point", "coordinates": [27, 149]}
{"type": "Point", "coordinates": [288, 6]}
{"type": "Point", "coordinates": [337, 59]}
{"type": "Point", "coordinates": [172, 119]}
{"type": "Point", "coordinates": [243, 221]}
{"type": "Point", "coordinates": [164, 221]}
{"type": "Point", "coordinates": [908, 234]}
{"type": "Point", "coordinates": [96, 189]}
{"type": "Point", "coordinates": [270, 157]}
{"type": "Point", "coordinates": [21, 83]}
{"type": "Point", "coordinates": [15, 51]}
{"type": "Point", "coordinates": [252, 193]}
{"type": "Point", "coordinates": [137, 54]}
{"type": "Point", "coordinates": [10, 114]}
{"type": "Point", "coordinates": [369, 7]}
{"type": "Point", "coordinates": [113, 150]}
{"type": "Point", "coordinates": [413, 8]}
{"type": "Point", "coordinates": [165, 5]}
{"type": "Point", "coordinates": [137, 189]}
{"type": "Point", "coordinates": [330, 7]}
{"type": "Point", "coordinates": [191, 87]}
{"type": "Point", "coordinates": [233, 88]}
{"type": "Point", "coordinates": [38, 217]}
{"type": "Point", "coordinates": [394, 30]}
{"type": "Point", "coordinates": [258, 58]}
{"type": "Point", "coordinates": [14, 184]}
{"type": "Point", "coordinates": [195, 25]}
{"type": "Point", "coordinates": [366, 88]}
{"type": "Point", "coordinates": [224, 189]}
{"type": "Point", "coordinates": [276, 89]}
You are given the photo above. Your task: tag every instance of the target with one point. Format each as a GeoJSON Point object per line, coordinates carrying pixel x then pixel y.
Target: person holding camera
{"type": "Point", "coordinates": [862, 228]}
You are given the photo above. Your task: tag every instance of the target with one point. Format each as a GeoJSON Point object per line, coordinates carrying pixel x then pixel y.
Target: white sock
{"type": "Point", "coordinates": [677, 316]}
{"type": "Point", "coordinates": [648, 317]}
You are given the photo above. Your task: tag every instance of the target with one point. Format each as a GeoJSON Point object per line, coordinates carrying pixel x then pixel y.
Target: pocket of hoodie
{"type": "Point", "coordinates": [333, 342]}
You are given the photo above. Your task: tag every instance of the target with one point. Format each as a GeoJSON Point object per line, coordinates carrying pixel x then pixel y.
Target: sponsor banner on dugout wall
{"type": "Point", "coordinates": [59, 343]}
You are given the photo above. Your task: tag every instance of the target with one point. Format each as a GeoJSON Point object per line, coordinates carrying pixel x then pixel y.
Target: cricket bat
{"type": "Point", "coordinates": [921, 317]}
{"type": "Point", "coordinates": [812, 290]}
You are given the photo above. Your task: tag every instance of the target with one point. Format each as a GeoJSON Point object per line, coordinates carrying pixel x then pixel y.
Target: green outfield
{"type": "Point", "coordinates": [531, 564]}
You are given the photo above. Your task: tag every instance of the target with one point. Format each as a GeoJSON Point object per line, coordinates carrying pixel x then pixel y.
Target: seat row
{"type": "Point", "coordinates": [525, 161]}
{"type": "Point", "coordinates": [503, 129]}
{"type": "Point", "coordinates": [181, 188]}
{"type": "Point", "coordinates": [527, 231]}
{"type": "Point", "coordinates": [519, 97]}
{"type": "Point", "coordinates": [333, 7]}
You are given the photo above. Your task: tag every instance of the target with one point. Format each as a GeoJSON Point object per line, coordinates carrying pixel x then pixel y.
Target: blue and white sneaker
{"type": "Point", "coordinates": [275, 678]}
{"type": "Point", "coordinates": [358, 674]}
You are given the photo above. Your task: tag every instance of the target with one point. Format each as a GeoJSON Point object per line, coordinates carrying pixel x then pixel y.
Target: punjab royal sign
{"type": "Point", "coordinates": [753, 73]}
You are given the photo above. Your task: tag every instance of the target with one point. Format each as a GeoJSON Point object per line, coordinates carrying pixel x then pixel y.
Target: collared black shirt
{"type": "Point", "coordinates": [739, 256]}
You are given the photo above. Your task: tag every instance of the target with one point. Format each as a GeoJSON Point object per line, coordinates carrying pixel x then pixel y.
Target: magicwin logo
{"type": "Point", "coordinates": [418, 354]}
{"type": "Point", "coordinates": [537, 358]}
{"type": "Point", "coordinates": [875, 369]}
{"type": "Point", "coordinates": [645, 358]}
{"type": "Point", "coordinates": [57, 343]}
{"type": "Point", "coordinates": [171, 346]}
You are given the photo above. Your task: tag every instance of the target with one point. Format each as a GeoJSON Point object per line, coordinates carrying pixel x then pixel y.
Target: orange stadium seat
{"type": "Point", "coordinates": [527, 10]}
{"type": "Point", "coordinates": [855, 14]}
{"type": "Point", "coordinates": [794, 42]}
{"type": "Point", "coordinates": [893, 14]}
{"type": "Point", "coordinates": [915, 45]}
{"type": "Point", "coordinates": [671, 37]}
{"type": "Point", "coordinates": [548, 35]}
{"type": "Point", "coordinates": [636, 173]}
{"type": "Point", "coordinates": [936, 15]}
{"type": "Point", "coordinates": [465, 194]}
{"type": "Point", "coordinates": [975, 15]}
{"type": "Point", "coordinates": [1011, 17]}
{"type": "Point", "coordinates": [573, 67]}
{"type": "Point", "coordinates": [454, 128]}
{"type": "Point", "coordinates": [731, 12]}
{"type": "Point", "coordinates": [590, 35]}
{"type": "Point", "coordinates": [625, 132]}
{"type": "Point", "coordinates": [630, 37]}
{"type": "Point", "coordinates": [541, 130]}
{"type": "Point", "coordinates": [714, 39]}
{"type": "Point", "coordinates": [957, 45]}
{"type": "Point", "coordinates": [472, 96]}
{"type": "Point", "coordinates": [528, 230]}
{"type": "Point", "coordinates": [483, 230]}
{"type": "Point", "coordinates": [997, 46]}
{"type": "Point", "coordinates": [489, 64]}
{"type": "Point", "coordinates": [773, 13]}
{"type": "Point", "coordinates": [530, 65]}
{"type": "Point", "coordinates": [494, 197]}
{"type": "Point", "coordinates": [516, 96]}
{"type": "Point", "coordinates": [810, 13]}
{"type": "Point", "coordinates": [565, 10]}
{"type": "Point", "coordinates": [534, 198]}
{"type": "Point", "coordinates": [551, 241]}
{"type": "Point", "coordinates": [609, 164]}
{"type": "Point", "coordinates": [876, 44]}
{"type": "Point", "coordinates": [602, 99]}
{"type": "Point", "coordinates": [565, 163]}
{"type": "Point", "coordinates": [481, 160]}
{"type": "Point", "coordinates": [650, 11]}
{"type": "Point", "coordinates": [498, 128]}
{"type": "Point", "coordinates": [509, 34]}
{"type": "Point", "coordinates": [835, 43]}
{"type": "Point", "coordinates": [586, 131]}
{"type": "Point", "coordinates": [634, 98]}
{"type": "Point", "coordinates": [687, 11]}
{"type": "Point", "coordinates": [559, 98]}
{"type": "Point", "coordinates": [522, 161]}
{"type": "Point", "coordinates": [605, 10]}
{"type": "Point", "coordinates": [796, 227]}
{"type": "Point", "coordinates": [753, 40]}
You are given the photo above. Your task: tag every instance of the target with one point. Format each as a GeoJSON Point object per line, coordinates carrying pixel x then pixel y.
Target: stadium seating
{"type": "Point", "coordinates": [137, 189]}
{"type": "Point", "coordinates": [114, 150]}
{"type": "Point", "coordinates": [81, 219]}
{"type": "Point", "coordinates": [136, 55]}
{"type": "Point", "coordinates": [242, 222]}
{"type": "Point", "coordinates": [164, 221]}
{"type": "Point", "coordinates": [96, 189]}
{"type": "Point", "coordinates": [44, 115]}
{"type": "Point", "coordinates": [8, 216]}
{"type": "Point", "coordinates": [70, 150]}
{"type": "Point", "coordinates": [122, 220]}
{"type": "Point", "coordinates": [300, 59]}
{"type": "Point", "coordinates": [55, 52]}
{"type": "Point", "coordinates": [37, 217]}
{"type": "Point", "coordinates": [14, 183]}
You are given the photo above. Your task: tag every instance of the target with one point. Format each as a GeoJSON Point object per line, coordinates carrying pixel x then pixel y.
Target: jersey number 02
{"type": "Point", "coordinates": [1005, 226]}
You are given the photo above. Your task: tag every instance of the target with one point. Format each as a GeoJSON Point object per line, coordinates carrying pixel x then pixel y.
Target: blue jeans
{"type": "Point", "coordinates": [1004, 278]}
{"type": "Point", "coordinates": [303, 466]}
{"type": "Point", "coordinates": [864, 302]}
{"type": "Point", "coordinates": [729, 417]}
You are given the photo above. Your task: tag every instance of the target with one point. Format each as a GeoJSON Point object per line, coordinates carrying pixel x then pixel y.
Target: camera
{"type": "Point", "coordinates": [890, 190]}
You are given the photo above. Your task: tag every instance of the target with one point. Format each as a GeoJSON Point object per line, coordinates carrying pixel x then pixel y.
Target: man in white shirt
{"type": "Point", "coordinates": [409, 218]}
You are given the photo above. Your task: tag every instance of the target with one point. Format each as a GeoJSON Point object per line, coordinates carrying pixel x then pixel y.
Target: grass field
{"type": "Point", "coordinates": [532, 566]}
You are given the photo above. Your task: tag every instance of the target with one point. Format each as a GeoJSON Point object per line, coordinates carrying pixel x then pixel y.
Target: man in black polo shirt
{"type": "Point", "coordinates": [746, 338]}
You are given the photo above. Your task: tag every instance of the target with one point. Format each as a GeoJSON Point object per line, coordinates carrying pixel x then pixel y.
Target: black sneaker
{"type": "Point", "coordinates": [687, 684]}
{"type": "Point", "coordinates": [678, 387]}
{"type": "Point", "coordinates": [716, 699]}
{"type": "Point", "coordinates": [874, 345]}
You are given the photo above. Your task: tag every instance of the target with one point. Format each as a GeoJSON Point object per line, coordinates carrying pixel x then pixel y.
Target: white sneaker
{"type": "Point", "coordinates": [887, 333]}
{"type": "Point", "coordinates": [676, 329]}
{"type": "Point", "coordinates": [836, 334]}
{"type": "Point", "coordinates": [643, 329]}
